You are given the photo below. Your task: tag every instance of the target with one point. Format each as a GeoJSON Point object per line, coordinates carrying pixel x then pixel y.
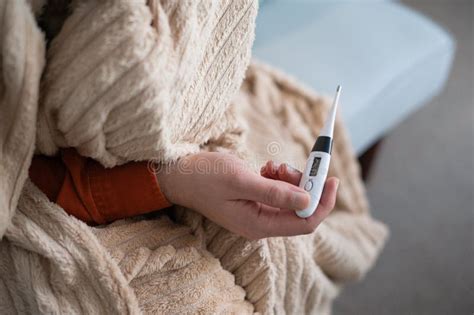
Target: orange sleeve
{"type": "Point", "coordinates": [98, 195]}
{"type": "Point", "coordinates": [48, 174]}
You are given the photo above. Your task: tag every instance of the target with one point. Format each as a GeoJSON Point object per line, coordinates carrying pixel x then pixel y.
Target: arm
{"type": "Point", "coordinates": [94, 194]}
{"type": "Point", "coordinates": [217, 185]}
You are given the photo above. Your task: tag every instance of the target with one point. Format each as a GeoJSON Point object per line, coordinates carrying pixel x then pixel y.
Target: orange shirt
{"type": "Point", "coordinates": [94, 194]}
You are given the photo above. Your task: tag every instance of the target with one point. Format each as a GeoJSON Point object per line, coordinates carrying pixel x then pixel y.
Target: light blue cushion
{"type": "Point", "coordinates": [389, 59]}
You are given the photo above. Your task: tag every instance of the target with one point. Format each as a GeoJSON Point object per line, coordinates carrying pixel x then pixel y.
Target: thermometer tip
{"type": "Point", "coordinates": [338, 88]}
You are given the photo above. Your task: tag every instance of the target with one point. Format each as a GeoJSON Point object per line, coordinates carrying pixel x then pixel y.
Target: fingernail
{"type": "Point", "coordinates": [300, 200]}
{"type": "Point", "coordinates": [291, 168]}
{"type": "Point", "coordinates": [262, 169]}
{"type": "Point", "coordinates": [270, 166]}
{"type": "Point", "coordinates": [282, 168]}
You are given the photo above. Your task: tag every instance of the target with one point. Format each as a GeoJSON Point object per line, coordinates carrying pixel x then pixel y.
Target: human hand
{"type": "Point", "coordinates": [223, 189]}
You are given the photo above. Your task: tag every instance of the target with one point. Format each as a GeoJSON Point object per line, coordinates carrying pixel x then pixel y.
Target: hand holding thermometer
{"type": "Point", "coordinates": [317, 165]}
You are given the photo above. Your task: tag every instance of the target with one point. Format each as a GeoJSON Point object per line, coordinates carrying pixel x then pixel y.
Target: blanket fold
{"type": "Point", "coordinates": [180, 62]}
{"type": "Point", "coordinates": [22, 60]}
{"type": "Point", "coordinates": [301, 274]}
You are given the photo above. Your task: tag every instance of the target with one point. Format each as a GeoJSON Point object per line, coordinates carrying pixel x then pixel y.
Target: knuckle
{"type": "Point", "coordinates": [263, 230]}
{"type": "Point", "coordinates": [267, 227]}
{"type": "Point", "coordinates": [328, 207]}
{"type": "Point", "coordinates": [310, 228]}
{"type": "Point", "coordinates": [254, 236]}
{"type": "Point", "coordinates": [272, 195]}
{"type": "Point", "coordinates": [255, 231]}
{"type": "Point", "coordinates": [266, 231]}
{"type": "Point", "coordinates": [248, 236]}
{"type": "Point", "coordinates": [237, 180]}
{"type": "Point", "coordinates": [258, 234]}
{"type": "Point", "coordinates": [288, 199]}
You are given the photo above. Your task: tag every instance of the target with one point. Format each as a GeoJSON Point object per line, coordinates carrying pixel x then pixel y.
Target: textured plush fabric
{"type": "Point", "coordinates": [301, 274]}
{"type": "Point", "coordinates": [21, 64]}
{"type": "Point", "coordinates": [135, 80]}
{"type": "Point", "coordinates": [179, 61]}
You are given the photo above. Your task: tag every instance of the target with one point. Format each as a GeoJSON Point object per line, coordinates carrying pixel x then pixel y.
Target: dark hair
{"type": "Point", "coordinates": [52, 18]}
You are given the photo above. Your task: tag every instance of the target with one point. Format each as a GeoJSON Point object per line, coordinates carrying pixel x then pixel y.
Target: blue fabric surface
{"type": "Point", "coordinates": [389, 59]}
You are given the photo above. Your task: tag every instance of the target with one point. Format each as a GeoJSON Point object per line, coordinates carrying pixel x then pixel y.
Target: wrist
{"type": "Point", "coordinates": [164, 178]}
{"type": "Point", "coordinates": [171, 177]}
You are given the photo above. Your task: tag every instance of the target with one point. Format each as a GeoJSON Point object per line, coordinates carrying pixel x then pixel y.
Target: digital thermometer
{"type": "Point", "coordinates": [317, 165]}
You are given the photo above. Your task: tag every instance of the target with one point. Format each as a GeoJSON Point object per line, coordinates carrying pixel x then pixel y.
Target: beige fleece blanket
{"type": "Point", "coordinates": [140, 80]}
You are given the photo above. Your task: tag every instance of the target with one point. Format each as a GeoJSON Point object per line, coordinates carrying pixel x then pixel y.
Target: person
{"type": "Point", "coordinates": [146, 123]}
{"type": "Point", "coordinates": [248, 204]}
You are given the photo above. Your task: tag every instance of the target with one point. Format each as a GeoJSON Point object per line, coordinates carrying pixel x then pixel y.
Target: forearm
{"type": "Point", "coordinates": [94, 194]}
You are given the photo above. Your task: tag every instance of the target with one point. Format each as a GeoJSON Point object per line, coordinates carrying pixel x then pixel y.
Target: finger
{"type": "Point", "coordinates": [272, 192]}
{"type": "Point", "coordinates": [289, 174]}
{"type": "Point", "coordinates": [272, 222]}
{"type": "Point", "coordinates": [286, 223]}
{"type": "Point", "coordinates": [326, 203]}
{"type": "Point", "coordinates": [267, 221]}
{"type": "Point", "coordinates": [270, 170]}
{"type": "Point", "coordinates": [282, 172]}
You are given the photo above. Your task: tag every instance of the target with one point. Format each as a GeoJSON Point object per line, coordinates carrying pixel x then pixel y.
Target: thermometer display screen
{"type": "Point", "coordinates": [315, 166]}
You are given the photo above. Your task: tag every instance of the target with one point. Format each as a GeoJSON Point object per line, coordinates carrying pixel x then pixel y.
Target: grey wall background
{"type": "Point", "coordinates": [422, 187]}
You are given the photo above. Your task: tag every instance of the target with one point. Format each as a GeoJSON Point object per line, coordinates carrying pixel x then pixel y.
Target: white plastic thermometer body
{"type": "Point", "coordinates": [317, 165]}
